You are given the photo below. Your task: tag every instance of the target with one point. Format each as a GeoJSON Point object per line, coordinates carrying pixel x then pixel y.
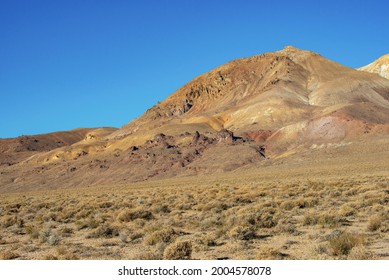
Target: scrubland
{"type": "Point", "coordinates": [243, 215]}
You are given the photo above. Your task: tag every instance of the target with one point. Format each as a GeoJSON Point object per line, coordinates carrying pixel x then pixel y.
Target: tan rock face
{"type": "Point", "coordinates": [380, 67]}
{"type": "Point", "coordinates": [249, 111]}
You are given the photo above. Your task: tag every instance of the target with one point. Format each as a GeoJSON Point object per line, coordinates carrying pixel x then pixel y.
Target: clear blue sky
{"type": "Point", "coordinates": [79, 63]}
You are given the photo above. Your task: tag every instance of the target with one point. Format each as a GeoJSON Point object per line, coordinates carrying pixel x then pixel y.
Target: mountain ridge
{"type": "Point", "coordinates": [248, 112]}
{"type": "Point", "coordinates": [379, 66]}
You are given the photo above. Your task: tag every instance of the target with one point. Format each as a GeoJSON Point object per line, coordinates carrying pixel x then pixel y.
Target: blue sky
{"type": "Point", "coordinates": [68, 64]}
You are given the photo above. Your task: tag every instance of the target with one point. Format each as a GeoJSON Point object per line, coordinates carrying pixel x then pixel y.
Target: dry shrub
{"type": "Point", "coordinates": [87, 223]}
{"type": "Point", "coordinates": [146, 255]}
{"type": "Point", "coordinates": [242, 233]}
{"type": "Point", "coordinates": [359, 253]}
{"type": "Point", "coordinates": [327, 219]}
{"type": "Point", "coordinates": [47, 236]}
{"type": "Point", "coordinates": [8, 255]}
{"type": "Point", "coordinates": [166, 235]}
{"type": "Point", "coordinates": [270, 254]}
{"type": "Point", "coordinates": [66, 231]}
{"type": "Point", "coordinates": [310, 219]}
{"type": "Point", "coordinates": [287, 205]}
{"type": "Point", "coordinates": [212, 222]}
{"type": "Point", "coordinates": [260, 216]}
{"type": "Point", "coordinates": [33, 231]}
{"type": "Point", "coordinates": [162, 209]}
{"type": "Point", "coordinates": [104, 231]}
{"type": "Point", "coordinates": [127, 216]}
{"type": "Point", "coordinates": [9, 220]}
{"type": "Point", "coordinates": [50, 257]}
{"type": "Point", "coordinates": [181, 250]}
{"type": "Point", "coordinates": [375, 223]}
{"type": "Point", "coordinates": [306, 202]}
{"type": "Point", "coordinates": [286, 225]}
{"type": "Point", "coordinates": [214, 206]}
{"type": "Point", "coordinates": [344, 242]}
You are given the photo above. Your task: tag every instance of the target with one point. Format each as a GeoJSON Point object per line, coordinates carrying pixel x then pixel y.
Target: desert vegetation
{"type": "Point", "coordinates": [247, 217]}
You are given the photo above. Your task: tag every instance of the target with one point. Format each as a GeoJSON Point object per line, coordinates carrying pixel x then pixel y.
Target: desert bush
{"type": "Point", "coordinates": [326, 219]}
{"type": "Point", "coordinates": [211, 222]}
{"type": "Point", "coordinates": [242, 233]}
{"type": "Point", "coordinates": [286, 225]}
{"type": "Point", "coordinates": [344, 242]}
{"type": "Point", "coordinates": [87, 223]}
{"type": "Point", "coordinates": [270, 254]}
{"type": "Point", "coordinates": [310, 219]}
{"type": "Point", "coordinates": [214, 206]}
{"type": "Point", "coordinates": [50, 257]}
{"type": "Point", "coordinates": [287, 205]}
{"type": "Point", "coordinates": [306, 202]}
{"type": "Point", "coordinates": [146, 255]}
{"type": "Point", "coordinates": [33, 231]}
{"type": "Point", "coordinates": [8, 255]}
{"type": "Point", "coordinates": [127, 216]}
{"type": "Point", "coordinates": [66, 231]}
{"type": "Point", "coordinates": [320, 249]}
{"type": "Point", "coordinates": [105, 231]}
{"type": "Point", "coordinates": [330, 220]}
{"type": "Point", "coordinates": [166, 235]}
{"type": "Point", "coordinates": [181, 250]}
{"type": "Point", "coordinates": [260, 216]}
{"type": "Point", "coordinates": [347, 210]}
{"type": "Point", "coordinates": [9, 220]}
{"type": "Point", "coordinates": [265, 220]}
{"type": "Point", "coordinates": [162, 209]}
{"type": "Point", "coordinates": [47, 236]}
{"type": "Point", "coordinates": [359, 253]}
{"type": "Point", "coordinates": [375, 223]}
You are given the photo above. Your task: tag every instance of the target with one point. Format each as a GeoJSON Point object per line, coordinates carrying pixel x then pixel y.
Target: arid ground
{"type": "Point", "coordinates": [332, 205]}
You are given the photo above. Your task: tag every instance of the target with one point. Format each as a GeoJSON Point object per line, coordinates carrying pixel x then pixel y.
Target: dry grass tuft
{"type": "Point", "coordinates": [343, 243]}
{"type": "Point", "coordinates": [166, 235]}
{"type": "Point", "coordinates": [181, 250]}
{"type": "Point", "coordinates": [8, 255]}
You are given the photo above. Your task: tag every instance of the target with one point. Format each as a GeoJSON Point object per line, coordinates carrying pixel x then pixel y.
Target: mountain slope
{"type": "Point", "coordinates": [269, 91]}
{"type": "Point", "coordinates": [380, 66]}
{"type": "Point", "coordinates": [285, 105]}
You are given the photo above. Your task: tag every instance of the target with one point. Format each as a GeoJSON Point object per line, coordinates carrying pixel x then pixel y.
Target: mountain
{"type": "Point", "coordinates": [15, 150]}
{"type": "Point", "coordinates": [291, 105]}
{"type": "Point", "coordinates": [380, 66]}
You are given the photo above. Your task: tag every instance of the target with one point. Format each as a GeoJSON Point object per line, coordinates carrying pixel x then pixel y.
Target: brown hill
{"type": "Point", "coordinates": [273, 106]}
{"type": "Point", "coordinates": [380, 66]}
{"type": "Point", "coordinates": [14, 150]}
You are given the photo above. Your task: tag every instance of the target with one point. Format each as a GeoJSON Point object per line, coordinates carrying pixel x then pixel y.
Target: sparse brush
{"type": "Point", "coordinates": [166, 235]}
{"type": "Point", "coordinates": [66, 231]}
{"type": "Point", "coordinates": [310, 219]}
{"type": "Point", "coordinates": [360, 253]}
{"type": "Point", "coordinates": [47, 236]}
{"type": "Point", "coordinates": [87, 223]}
{"type": "Point", "coordinates": [375, 223]}
{"type": "Point", "coordinates": [162, 209]}
{"type": "Point", "coordinates": [181, 250]}
{"type": "Point", "coordinates": [50, 257]}
{"type": "Point", "coordinates": [104, 231]}
{"type": "Point", "coordinates": [131, 215]}
{"type": "Point", "coordinates": [286, 225]}
{"type": "Point", "coordinates": [8, 255]}
{"type": "Point", "coordinates": [9, 220]}
{"type": "Point", "coordinates": [270, 254]}
{"type": "Point", "coordinates": [33, 231]}
{"type": "Point", "coordinates": [344, 242]}
{"type": "Point", "coordinates": [324, 219]}
{"type": "Point", "coordinates": [242, 233]}
{"type": "Point", "coordinates": [146, 255]}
